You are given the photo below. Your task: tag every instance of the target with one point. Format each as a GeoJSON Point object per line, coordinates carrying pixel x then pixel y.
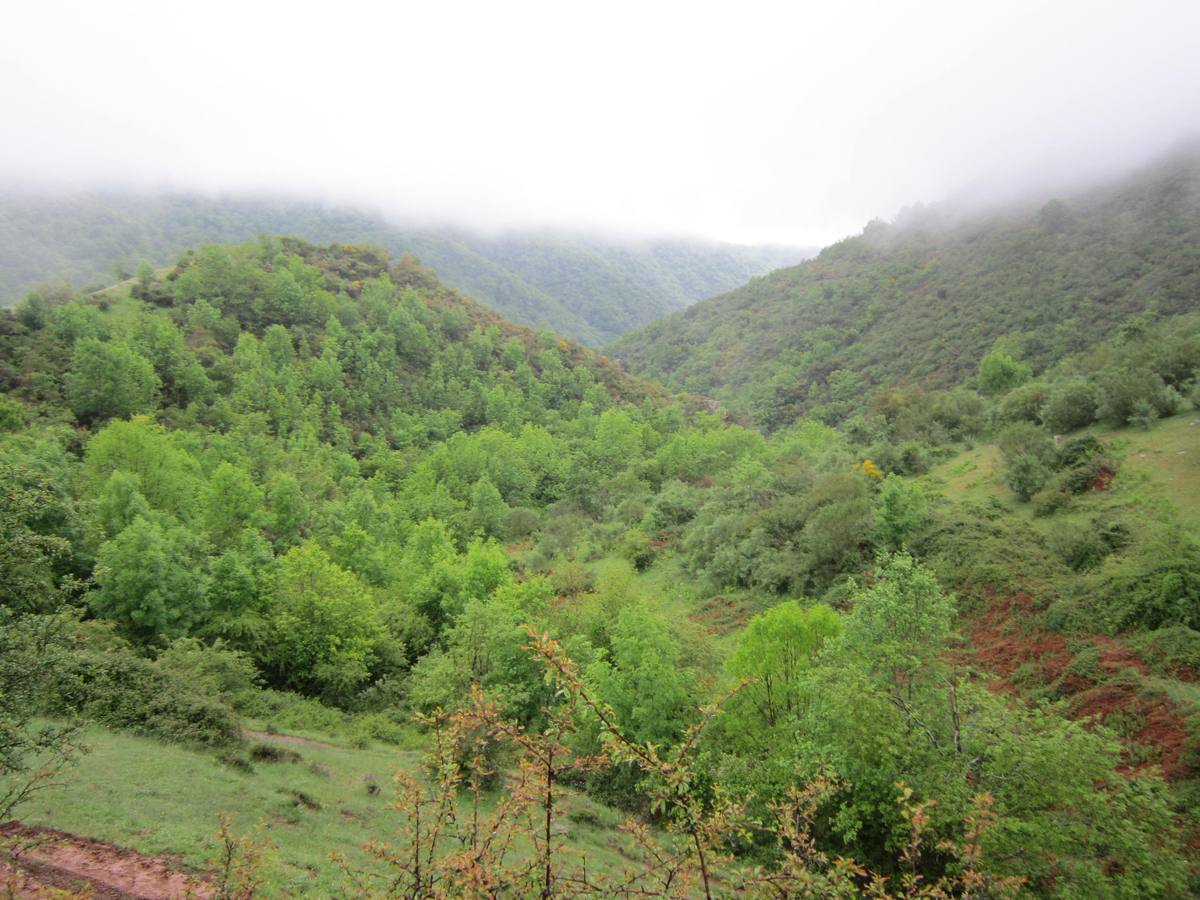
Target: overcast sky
{"type": "Point", "coordinates": [788, 121]}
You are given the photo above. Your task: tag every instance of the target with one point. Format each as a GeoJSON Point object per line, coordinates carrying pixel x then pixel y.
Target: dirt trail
{"type": "Point", "coordinates": [290, 739]}
{"type": "Point", "coordinates": [55, 861]}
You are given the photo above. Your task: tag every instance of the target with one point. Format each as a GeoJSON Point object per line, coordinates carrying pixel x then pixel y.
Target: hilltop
{"type": "Point", "coordinates": [588, 287]}
{"type": "Point", "coordinates": [920, 301]}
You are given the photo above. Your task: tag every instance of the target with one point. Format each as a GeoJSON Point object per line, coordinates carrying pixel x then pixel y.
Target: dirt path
{"type": "Point", "coordinates": [54, 861]}
{"type": "Point", "coordinates": [289, 739]}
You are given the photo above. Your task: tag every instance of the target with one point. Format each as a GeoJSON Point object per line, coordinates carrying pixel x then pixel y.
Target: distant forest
{"type": "Point", "coordinates": [919, 302]}
{"type": "Point", "coordinates": [587, 287]}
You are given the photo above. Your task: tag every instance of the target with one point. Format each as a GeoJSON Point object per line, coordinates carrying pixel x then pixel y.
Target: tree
{"type": "Point", "coordinates": [231, 502]}
{"type": "Point", "coordinates": [900, 511]}
{"type": "Point", "coordinates": [110, 380]}
{"type": "Point", "coordinates": [999, 372]}
{"type": "Point", "coordinates": [488, 513]}
{"type": "Point", "coordinates": [33, 751]}
{"type": "Point", "coordinates": [167, 474]}
{"type": "Point", "coordinates": [1025, 475]}
{"type": "Point", "coordinates": [325, 634]}
{"type": "Point", "coordinates": [642, 678]}
{"type": "Point", "coordinates": [150, 581]}
{"type": "Point", "coordinates": [1072, 404]}
{"type": "Point", "coordinates": [772, 652]}
{"type": "Point", "coordinates": [28, 557]}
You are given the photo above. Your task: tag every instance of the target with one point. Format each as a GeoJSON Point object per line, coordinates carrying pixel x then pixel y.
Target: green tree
{"type": "Point", "coordinates": [110, 380]}
{"type": "Point", "coordinates": [149, 580]}
{"type": "Point", "coordinates": [772, 652]}
{"type": "Point", "coordinates": [900, 511]}
{"type": "Point", "coordinates": [231, 502]}
{"type": "Point", "coordinates": [325, 633]}
{"type": "Point", "coordinates": [1000, 372]}
{"type": "Point", "coordinates": [488, 513]}
{"type": "Point", "coordinates": [1070, 405]}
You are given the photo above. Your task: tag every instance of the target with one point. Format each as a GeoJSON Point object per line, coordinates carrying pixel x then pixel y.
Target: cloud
{"type": "Point", "coordinates": [755, 121]}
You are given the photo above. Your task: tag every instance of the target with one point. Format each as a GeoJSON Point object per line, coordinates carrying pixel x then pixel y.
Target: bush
{"type": "Point", "coordinates": [228, 675]}
{"type": "Point", "coordinates": [1079, 450]}
{"type": "Point", "coordinates": [571, 578]}
{"type": "Point", "coordinates": [120, 690]}
{"type": "Point", "coordinates": [1024, 404]}
{"type": "Point", "coordinates": [1079, 547]}
{"type": "Point", "coordinates": [1048, 501]}
{"type": "Point", "coordinates": [1071, 405]}
{"type": "Point", "coordinates": [1129, 393]}
{"type": "Point", "coordinates": [1026, 475]}
{"type": "Point", "coordinates": [522, 522]}
{"type": "Point", "coordinates": [638, 549]}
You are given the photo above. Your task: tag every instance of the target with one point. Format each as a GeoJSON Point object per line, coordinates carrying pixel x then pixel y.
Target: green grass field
{"type": "Point", "coordinates": [166, 800]}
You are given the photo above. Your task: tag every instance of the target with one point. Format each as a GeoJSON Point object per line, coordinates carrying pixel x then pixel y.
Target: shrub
{"type": "Point", "coordinates": [1080, 547]}
{"type": "Point", "coordinates": [1048, 501]}
{"type": "Point", "coordinates": [638, 549]}
{"type": "Point", "coordinates": [571, 578]}
{"type": "Point", "coordinates": [1024, 404]}
{"type": "Point", "coordinates": [1026, 475]}
{"type": "Point", "coordinates": [120, 690]}
{"type": "Point", "coordinates": [522, 522]}
{"type": "Point", "coordinates": [1071, 405]}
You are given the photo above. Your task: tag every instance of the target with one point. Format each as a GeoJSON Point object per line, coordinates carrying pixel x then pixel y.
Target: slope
{"type": "Point", "coordinates": [585, 286]}
{"type": "Point", "coordinates": [921, 300]}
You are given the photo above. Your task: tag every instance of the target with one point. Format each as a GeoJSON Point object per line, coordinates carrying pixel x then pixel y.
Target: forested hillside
{"type": "Point", "coordinates": [919, 302]}
{"type": "Point", "coordinates": [587, 287]}
{"type": "Point", "coordinates": [286, 519]}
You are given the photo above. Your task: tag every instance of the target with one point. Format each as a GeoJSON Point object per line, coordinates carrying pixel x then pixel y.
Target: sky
{"type": "Point", "coordinates": [788, 122]}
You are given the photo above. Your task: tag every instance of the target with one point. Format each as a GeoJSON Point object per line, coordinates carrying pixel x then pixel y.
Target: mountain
{"type": "Point", "coordinates": [585, 286]}
{"type": "Point", "coordinates": [312, 487]}
{"type": "Point", "coordinates": [919, 301]}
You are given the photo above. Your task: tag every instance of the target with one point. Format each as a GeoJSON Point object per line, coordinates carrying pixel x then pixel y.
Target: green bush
{"type": "Point", "coordinates": [1080, 547]}
{"type": "Point", "coordinates": [1026, 475]}
{"type": "Point", "coordinates": [120, 690]}
{"type": "Point", "coordinates": [1071, 405]}
{"type": "Point", "coordinates": [1048, 501]}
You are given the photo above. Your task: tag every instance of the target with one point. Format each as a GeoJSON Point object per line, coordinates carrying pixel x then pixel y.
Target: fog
{"type": "Point", "coordinates": [747, 122]}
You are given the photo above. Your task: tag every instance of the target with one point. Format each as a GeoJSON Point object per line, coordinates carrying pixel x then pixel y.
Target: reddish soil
{"type": "Point", "coordinates": [1002, 638]}
{"type": "Point", "coordinates": [1103, 480]}
{"type": "Point", "coordinates": [48, 862]}
{"type": "Point", "coordinates": [1000, 646]}
{"type": "Point", "coordinates": [720, 615]}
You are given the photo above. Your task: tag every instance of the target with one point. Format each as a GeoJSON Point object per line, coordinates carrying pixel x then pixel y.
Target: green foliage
{"type": "Point", "coordinates": [150, 580]}
{"type": "Point", "coordinates": [110, 380]}
{"type": "Point", "coordinates": [324, 632]}
{"type": "Point", "coordinates": [901, 511]}
{"type": "Point", "coordinates": [999, 372]}
{"type": "Point", "coordinates": [922, 301]}
{"type": "Point", "coordinates": [1026, 475]}
{"type": "Point", "coordinates": [772, 652]}
{"type": "Point", "coordinates": [33, 752]}
{"type": "Point", "coordinates": [1070, 405]}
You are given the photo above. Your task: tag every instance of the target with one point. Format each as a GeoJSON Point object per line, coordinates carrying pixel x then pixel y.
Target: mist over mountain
{"type": "Point", "coordinates": [587, 286]}
{"type": "Point", "coordinates": [919, 301]}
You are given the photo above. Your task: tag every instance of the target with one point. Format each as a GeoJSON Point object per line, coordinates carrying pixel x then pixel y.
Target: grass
{"type": "Point", "coordinates": [166, 800]}
{"type": "Point", "coordinates": [1159, 467]}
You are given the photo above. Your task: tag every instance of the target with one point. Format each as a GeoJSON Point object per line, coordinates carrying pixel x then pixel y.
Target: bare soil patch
{"type": "Point", "coordinates": [48, 862]}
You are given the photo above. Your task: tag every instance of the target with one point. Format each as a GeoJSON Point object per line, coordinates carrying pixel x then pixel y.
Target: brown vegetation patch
{"type": "Point", "coordinates": [1001, 645]}
{"type": "Point", "coordinates": [50, 861]}
{"type": "Point", "coordinates": [1103, 479]}
{"type": "Point", "coordinates": [1002, 639]}
{"type": "Point", "coordinates": [1161, 738]}
{"type": "Point", "coordinates": [720, 615]}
